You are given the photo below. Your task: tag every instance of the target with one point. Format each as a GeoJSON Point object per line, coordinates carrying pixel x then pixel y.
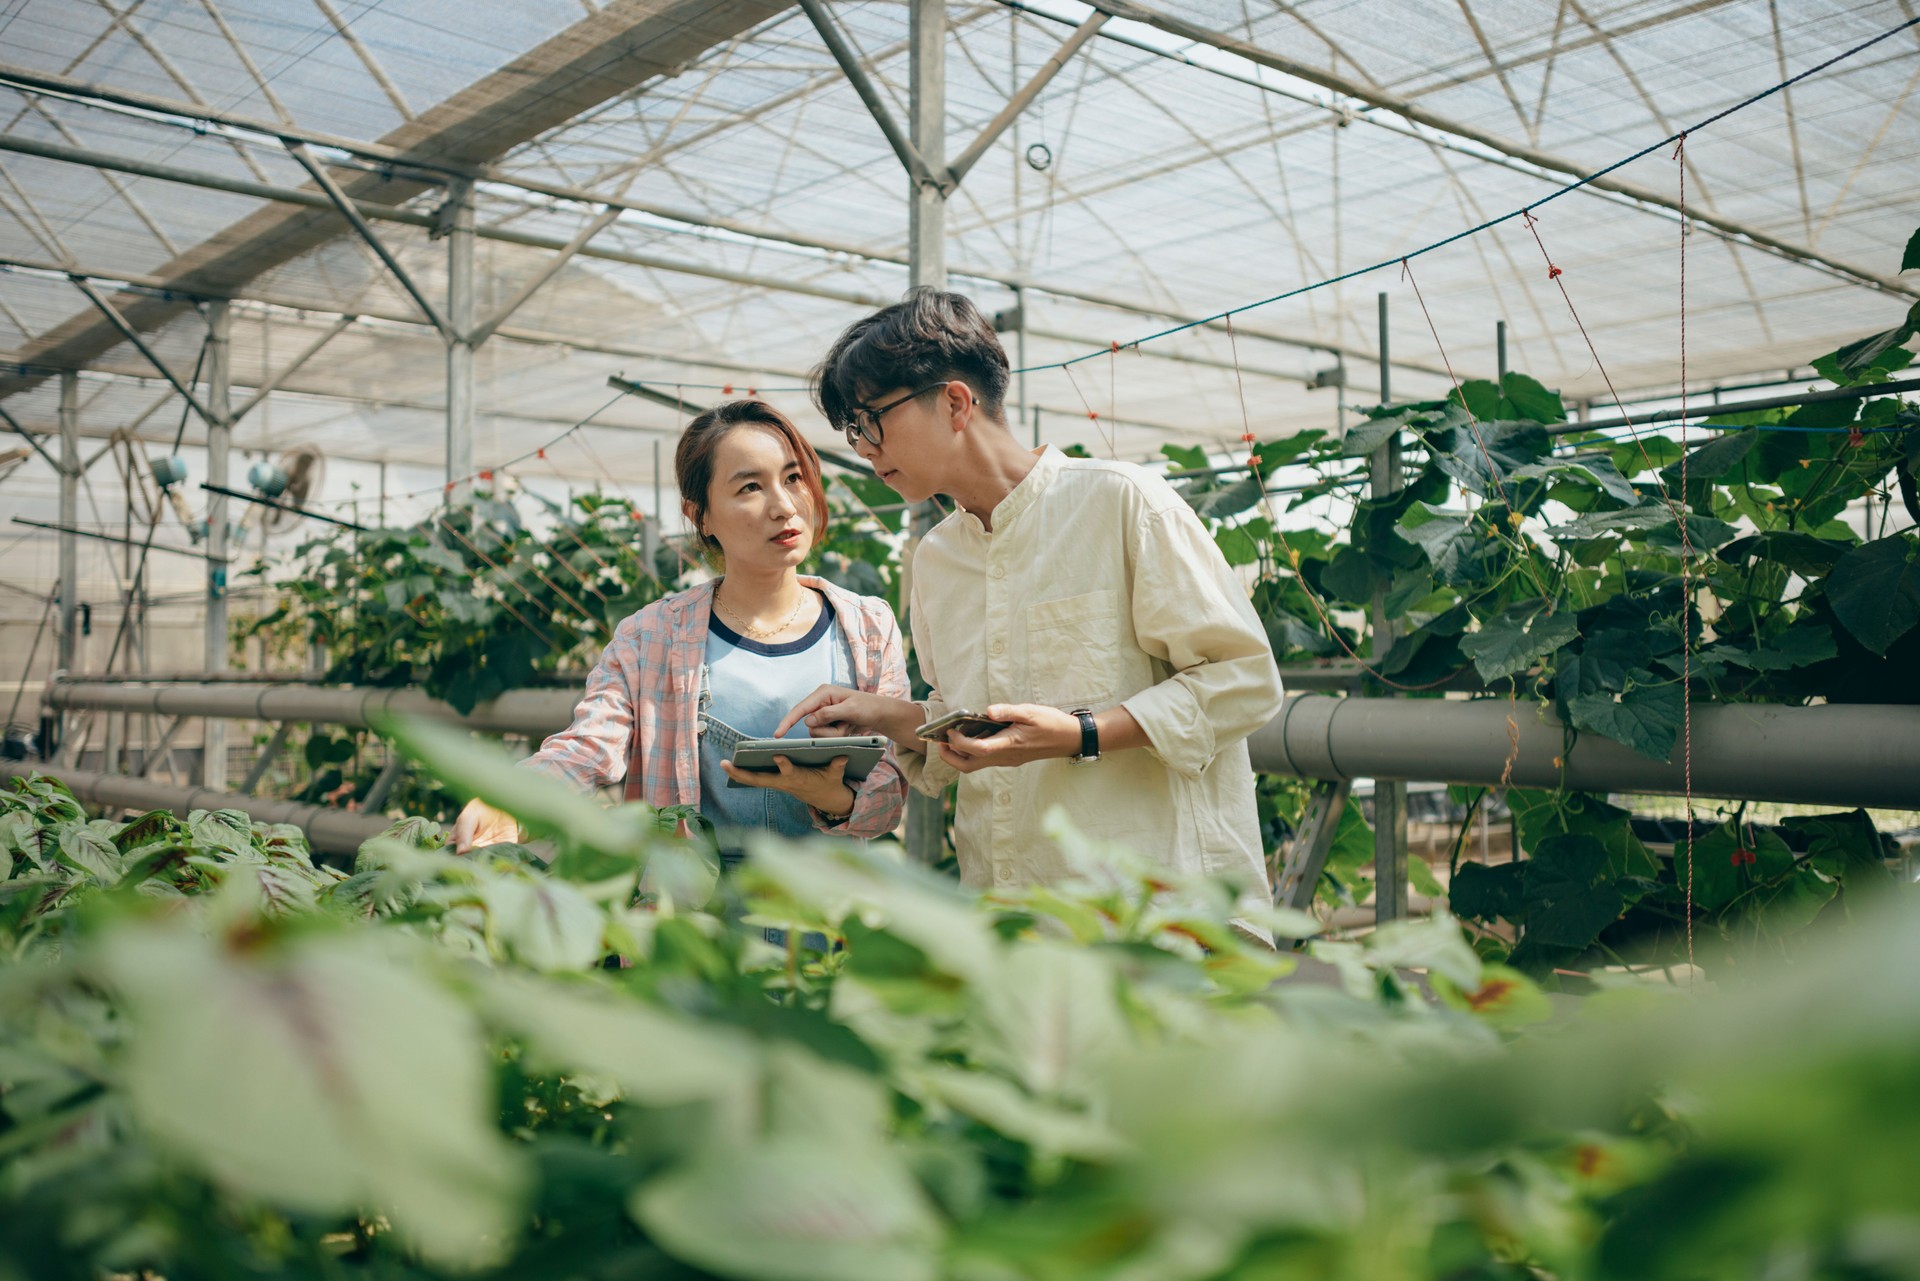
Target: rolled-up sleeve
{"type": "Point", "coordinates": [882, 794]}
{"type": "Point", "coordinates": [1190, 612]}
{"type": "Point", "coordinates": [592, 752]}
{"type": "Point", "coordinates": [924, 769]}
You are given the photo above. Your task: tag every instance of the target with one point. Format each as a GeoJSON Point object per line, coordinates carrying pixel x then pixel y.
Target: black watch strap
{"type": "Point", "coordinates": [1089, 736]}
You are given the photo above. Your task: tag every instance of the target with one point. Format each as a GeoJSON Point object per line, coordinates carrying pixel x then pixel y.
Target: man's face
{"type": "Point", "coordinates": [916, 436]}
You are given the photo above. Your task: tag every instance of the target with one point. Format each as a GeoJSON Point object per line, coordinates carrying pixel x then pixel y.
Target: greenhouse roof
{"type": "Point", "coordinates": [1193, 157]}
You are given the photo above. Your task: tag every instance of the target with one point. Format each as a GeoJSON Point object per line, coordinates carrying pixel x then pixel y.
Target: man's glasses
{"type": "Point", "coordinates": [864, 424]}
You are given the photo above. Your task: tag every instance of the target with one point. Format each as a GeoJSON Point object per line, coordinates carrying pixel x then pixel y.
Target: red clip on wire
{"type": "Point", "coordinates": [1855, 437]}
{"type": "Point", "coordinates": [1553, 272]}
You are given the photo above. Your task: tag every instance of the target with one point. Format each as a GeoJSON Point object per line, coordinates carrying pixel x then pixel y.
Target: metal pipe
{"type": "Point", "coordinates": [329, 831]}
{"type": "Point", "coordinates": [69, 514]}
{"type": "Point", "coordinates": [1894, 388]}
{"type": "Point", "coordinates": [213, 760]}
{"type": "Point", "coordinates": [457, 329]}
{"type": "Point", "coordinates": [1851, 754]}
{"type": "Point", "coordinates": [1836, 754]}
{"type": "Point", "coordinates": [521, 711]}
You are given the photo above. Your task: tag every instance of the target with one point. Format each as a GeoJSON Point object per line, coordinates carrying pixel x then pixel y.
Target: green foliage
{"type": "Point", "coordinates": [422, 1068]}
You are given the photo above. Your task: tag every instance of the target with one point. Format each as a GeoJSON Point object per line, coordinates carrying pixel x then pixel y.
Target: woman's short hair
{"type": "Point", "coordinates": [693, 459]}
{"type": "Point", "coordinates": [929, 336]}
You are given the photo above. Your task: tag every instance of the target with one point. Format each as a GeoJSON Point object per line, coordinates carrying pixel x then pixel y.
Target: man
{"type": "Point", "coordinates": [1080, 602]}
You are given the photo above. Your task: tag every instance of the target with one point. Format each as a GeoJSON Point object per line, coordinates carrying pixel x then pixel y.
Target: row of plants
{"type": "Point", "coordinates": [1609, 579]}
{"type": "Point", "coordinates": [579, 1059]}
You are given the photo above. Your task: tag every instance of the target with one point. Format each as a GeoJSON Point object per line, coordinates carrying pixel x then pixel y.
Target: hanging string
{"type": "Point", "coordinates": [1511, 535]}
{"type": "Point", "coordinates": [1293, 557]}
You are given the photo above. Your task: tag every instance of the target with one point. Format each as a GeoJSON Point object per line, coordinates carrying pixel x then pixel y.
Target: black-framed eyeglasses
{"type": "Point", "coordinates": [864, 424]}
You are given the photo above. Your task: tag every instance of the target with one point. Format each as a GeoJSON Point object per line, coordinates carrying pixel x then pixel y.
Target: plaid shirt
{"type": "Point", "coordinates": [638, 718]}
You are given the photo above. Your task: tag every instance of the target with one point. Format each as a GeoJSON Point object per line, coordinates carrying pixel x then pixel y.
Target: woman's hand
{"type": "Point", "coordinates": [833, 711]}
{"type": "Point", "coordinates": [480, 824]}
{"type": "Point", "coordinates": [823, 788]}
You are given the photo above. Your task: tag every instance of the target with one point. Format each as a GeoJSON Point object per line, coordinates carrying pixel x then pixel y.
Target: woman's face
{"type": "Point", "coordinates": [757, 502]}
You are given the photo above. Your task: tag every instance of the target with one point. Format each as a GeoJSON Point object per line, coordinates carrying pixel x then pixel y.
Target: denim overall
{"type": "Point", "coordinates": [736, 812]}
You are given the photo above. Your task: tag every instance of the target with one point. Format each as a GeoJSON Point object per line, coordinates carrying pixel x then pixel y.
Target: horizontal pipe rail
{"type": "Point", "coordinates": [329, 831]}
{"type": "Point", "coordinates": [521, 711]}
{"type": "Point", "coordinates": [1843, 755]}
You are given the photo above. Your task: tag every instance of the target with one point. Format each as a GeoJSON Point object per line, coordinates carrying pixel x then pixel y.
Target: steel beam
{"type": "Point", "coordinates": [213, 760]}
{"type": "Point", "coordinates": [292, 367]}
{"type": "Point", "coordinates": [607, 53]}
{"type": "Point", "coordinates": [69, 516]}
{"type": "Point", "coordinates": [328, 831]}
{"type": "Point", "coordinates": [457, 329]}
{"type": "Point", "coordinates": [388, 213]}
{"type": "Point", "coordinates": [957, 171]}
{"type": "Point", "coordinates": [133, 336]}
{"type": "Point", "coordinates": [551, 268]}
{"type": "Point", "coordinates": [1412, 111]}
{"type": "Point", "coordinates": [913, 156]}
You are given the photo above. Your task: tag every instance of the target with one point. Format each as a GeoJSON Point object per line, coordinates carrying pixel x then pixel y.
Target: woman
{"type": "Point", "coordinates": [690, 675]}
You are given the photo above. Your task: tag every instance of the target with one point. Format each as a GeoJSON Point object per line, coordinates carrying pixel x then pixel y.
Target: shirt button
{"type": "Point", "coordinates": [1003, 874]}
{"type": "Point", "coordinates": [1003, 799]}
{"type": "Point", "coordinates": [998, 647]}
{"type": "Point", "coordinates": [999, 571]}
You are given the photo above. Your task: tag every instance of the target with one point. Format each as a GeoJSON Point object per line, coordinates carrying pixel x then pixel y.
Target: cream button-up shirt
{"type": "Point", "coordinates": [1098, 586]}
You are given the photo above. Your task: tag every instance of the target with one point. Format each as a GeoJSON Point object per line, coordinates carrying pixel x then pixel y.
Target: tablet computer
{"type": "Point", "coordinates": [863, 752]}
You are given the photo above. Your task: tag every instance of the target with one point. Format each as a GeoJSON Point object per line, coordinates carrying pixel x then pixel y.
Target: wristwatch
{"type": "Point", "coordinates": [1089, 738]}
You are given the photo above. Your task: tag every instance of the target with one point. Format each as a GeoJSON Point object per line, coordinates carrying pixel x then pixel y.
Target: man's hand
{"type": "Point", "coordinates": [833, 711]}
{"type": "Point", "coordinates": [823, 788]}
{"type": "Point", "coordinates": [1034, 732]}
{"type": "Point", "coordinates": [480, 824]}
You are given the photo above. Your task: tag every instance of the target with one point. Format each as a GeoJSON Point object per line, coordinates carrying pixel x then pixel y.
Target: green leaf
{"type": "Point", "coordinates": [1481, 458]}
{"type": "Point", "coordinates": [1875, 590]}
{"type": "Point", "coordinates": [228, 830]}
{"type": "Point", "coordinates": [1802, 553]}
{"type": "Point", "coordinates": [1185, 457]}
{"type": "Point", "coordinates": [658, 1059]}
{"type": "Point", "coordinates": [1488, 892]}
{"type": "Point", "coordinates": [794, 1208]}
{"type": "Point", "coordinates": [1505, 998]}
{"type": "Point", "coordinates": [1712, 868]}
{"type": "Point", "coordinates": [1910, 260]}
{"type": "Point", "coordinates": [1649, 453]}
{"type": "Point", "coordinates": [1801, 645]}
{"type": "Point", "coordinates": [544, 923]}
{"type": "Point", "coordinates": [92, 852]}
{"type": "Point", "coordinates": [1567, 902]}
{"type": "Point", "coordinates": [1525, 397]}
{"type": "Point", "coordinates": [1514, 640]}
{"type": "Point", "coordinates": [327, 1076]}
{"type": "Point", "coordinates": [1715, 458]}
{"type": "Point", "coordinates": [544, 805]}
{"type": "Point", "coordinates": [1646, 717]}
{"type": "Point", "coordinates": [1276, 453]}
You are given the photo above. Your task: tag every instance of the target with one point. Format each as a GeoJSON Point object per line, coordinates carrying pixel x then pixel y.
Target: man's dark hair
{"type": "Point", "coordinates": [928, 336]}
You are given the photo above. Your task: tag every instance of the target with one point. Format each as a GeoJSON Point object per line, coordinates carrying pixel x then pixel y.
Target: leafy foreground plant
{"type": "Point", "coordinates": [219, 1060]}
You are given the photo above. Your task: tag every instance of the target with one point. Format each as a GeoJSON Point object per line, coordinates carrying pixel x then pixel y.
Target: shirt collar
{"type": "Point", "coordinates": [1047, 464]}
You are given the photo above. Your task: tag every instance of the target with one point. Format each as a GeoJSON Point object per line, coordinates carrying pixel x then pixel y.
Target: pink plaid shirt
{"type": "Point", "coordinates": [638, 718]}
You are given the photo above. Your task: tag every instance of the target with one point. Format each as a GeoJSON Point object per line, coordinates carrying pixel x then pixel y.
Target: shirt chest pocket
{"type": "Point", "coordinates": [1073, 650]}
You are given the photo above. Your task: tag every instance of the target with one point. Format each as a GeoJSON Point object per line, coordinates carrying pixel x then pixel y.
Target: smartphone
{"type": "Point", "coordinates": [863, 752]}
{"type": "Point", "coordinates": [972, 724]}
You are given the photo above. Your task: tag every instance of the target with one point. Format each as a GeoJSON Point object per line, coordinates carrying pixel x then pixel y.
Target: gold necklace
{"type": "Point", "coordinates": [759, 633]}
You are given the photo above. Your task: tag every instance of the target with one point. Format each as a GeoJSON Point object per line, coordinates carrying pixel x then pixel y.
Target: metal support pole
{"type": "Point", "coordinates": [213, 766]}
{"type": "Point", "coordinates": [927, 263]}
{"type": "Point", "coordinates": [1389, 796]}
{"type": "Point", "coordinates": [460, 337]}
{"type": "Point", "coordinates": [927, 110]}
{"type": "Point", "coordinates": [1500, 348]}
{"type": "Point", "coordinates": [69, 516]}
{"type": "Point", "coordinates": [1020, 359]}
